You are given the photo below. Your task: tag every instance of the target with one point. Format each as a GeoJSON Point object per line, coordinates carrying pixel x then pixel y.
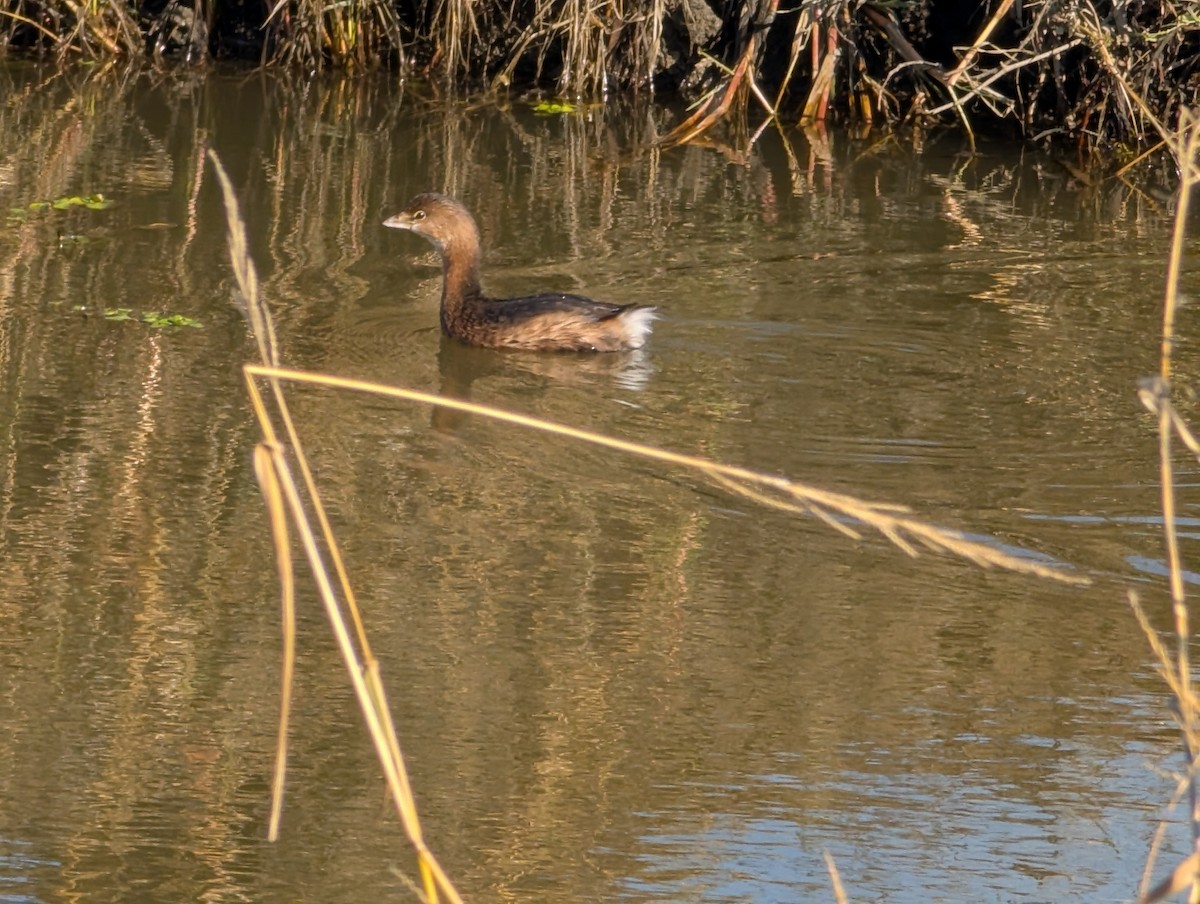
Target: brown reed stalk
{"type": "Point", "coordinates": [741, 81]}
{"type": "Point", "coordinates": [816, 105]}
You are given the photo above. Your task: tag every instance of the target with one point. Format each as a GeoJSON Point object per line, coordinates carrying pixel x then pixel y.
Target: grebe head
{"type": "Point", "coordinates": [439, 219]}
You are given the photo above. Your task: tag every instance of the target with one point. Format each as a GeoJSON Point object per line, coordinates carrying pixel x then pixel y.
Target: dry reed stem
{"type": "Point", "coordinates": [361, 665]}
{"type": "Point", "coordinates": [835, 879]}
{"type": "Point", "coordinates": [978, 88]}
{"type": "Point", "coordinates": [713, 111]}
{"type": "Point", "coordinates": [817, 103]}
{"type": "Point", "coordinates": [25, 20]}
{"type": "Point", "coordinates": [800, 37]}
{"type": "Point", "coordinates": [1149, 152]}
{"type": "Point", "coordinates": [459, 30]}
{"type": "Point", "coordinates": [1156, 395]}
{"type": "Point", "coordinates": [968, 57]}
{"type": "Point", "coordinates": [892, 521]}
{"type": "Point", "coordinates": [1095, 31]}
{"type": "Point", "coordinates": [1166, 670]}
{"type": "Point", "coordinates": [1187, 146]}
{"type": "Point", "coordinates": [1183, 876]}
{"type": "Point", "coordinates": [265, 470]}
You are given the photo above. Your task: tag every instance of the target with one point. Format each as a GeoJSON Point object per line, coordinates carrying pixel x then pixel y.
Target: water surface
{"type": "Point", "coordinates": [611, 679]}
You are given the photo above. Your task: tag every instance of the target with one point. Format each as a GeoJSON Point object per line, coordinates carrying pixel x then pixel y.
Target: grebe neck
{"type": "Point", "coordinates": [461, 256]}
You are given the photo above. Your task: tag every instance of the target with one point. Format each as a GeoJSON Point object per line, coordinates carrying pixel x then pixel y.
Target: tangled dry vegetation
{"type": "Point", "coordinates": [1038, 68]}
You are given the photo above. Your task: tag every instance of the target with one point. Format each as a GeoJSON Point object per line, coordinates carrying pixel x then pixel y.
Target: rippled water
{"type": "Point", "coordinates": [611, 679]}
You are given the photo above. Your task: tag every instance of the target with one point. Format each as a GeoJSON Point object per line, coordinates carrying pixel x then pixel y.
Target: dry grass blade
{"type": "Point", "coordinates": [835, 878]}
{"type": "Point", "coordinates": [979, 89]}
{"type": "Point", "coordinates": [244, 272]}
{"type": "Point", "coordinates": [822, 84]}
{"type": "Point", "coordinates": [889, 520]}
{"type": "Point", "coordinates": [1162, 656]}
{"type": "Point", "coordinates": [263, 328]}
{"type": "Point", "coordinates": [764, 499]}
{"type": "Point", "coordinates": [713, 111]}
{"type": "Point", "coordinates": [1001, 11]}
{"type": "Point", "coordinates": [266, 469]}
{"type": "Point", "coordinates": [25, 20]}
{"type": "Point", "coordinates": [801, 33]}
{"type": "Point", "coordinates": [1166, 669]}
{"type": "Point", "coordinates": [1183, 876]}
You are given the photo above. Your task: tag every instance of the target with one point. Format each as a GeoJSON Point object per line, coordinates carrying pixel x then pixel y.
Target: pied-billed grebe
{"type": "Point", "coordinates": [538, 322]}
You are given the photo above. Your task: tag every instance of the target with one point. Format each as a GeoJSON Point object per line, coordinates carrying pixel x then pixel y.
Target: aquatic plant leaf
{"type": "Point", "coordinates": [156, 319]}
{"type": "Point", "coordinates": [554, 108]}
{"type": "Point", "coordinates": [91, 202]}
{"type": "Point", "coordinates": [159, 320]}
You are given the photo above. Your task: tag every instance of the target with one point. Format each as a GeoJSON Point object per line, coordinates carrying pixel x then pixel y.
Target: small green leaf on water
{"type": "Point", "coordinates": [554, 108]}
{"type": "Point", "coordinates": [156, 319]}
{"type": "Point", "coordinates": [91, 202]}
{"type": "Point", "coordinates": [159, 320]}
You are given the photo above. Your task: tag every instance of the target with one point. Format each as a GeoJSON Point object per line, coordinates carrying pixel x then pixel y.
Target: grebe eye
{"type": "Point", "coordinates": [419, 215]}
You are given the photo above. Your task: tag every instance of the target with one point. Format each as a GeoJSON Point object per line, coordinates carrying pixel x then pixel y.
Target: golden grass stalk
{"type": "Point", "coordinates": [25, 20]}
{"type": "Point", "coordinates": [283, 495]}
{"type": "Point", "coordinates": [835, 879]}
{"type": "Point", "coordinates": [1175, 666]}
{"type": "Point", "coordinates": [839, 510]}
{"type": "Point", "coordinates": [268, 483]}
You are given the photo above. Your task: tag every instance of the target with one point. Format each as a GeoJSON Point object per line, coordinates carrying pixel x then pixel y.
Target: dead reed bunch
{"type": "Point", "coordinates": [355, 34]}
{"type": "Point", "coordinates": [1043, 69]}
{"type": "Point", "coordinates": [73, 29]}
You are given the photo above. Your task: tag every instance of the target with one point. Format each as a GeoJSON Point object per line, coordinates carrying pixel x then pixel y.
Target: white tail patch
{"type": "Point", "coordinates": [638, 323]}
